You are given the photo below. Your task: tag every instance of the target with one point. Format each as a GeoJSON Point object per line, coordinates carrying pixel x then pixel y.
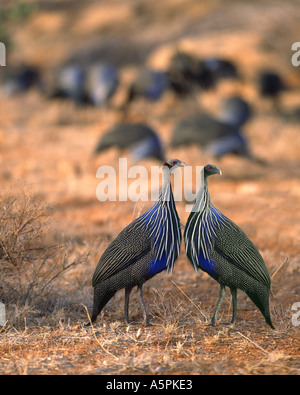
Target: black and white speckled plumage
{"type": "Point", "coordinates": [218, 246]}
{"type": "Point", "coordinates": [147, 246]}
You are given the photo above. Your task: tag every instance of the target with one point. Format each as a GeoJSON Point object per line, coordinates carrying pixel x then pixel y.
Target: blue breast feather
{"type": "Point", "coordinates": [164, 244]}
{"type": "Point", "coordinates": [157, 266]}
{"type": "Point", "coordinates": [207, 263]}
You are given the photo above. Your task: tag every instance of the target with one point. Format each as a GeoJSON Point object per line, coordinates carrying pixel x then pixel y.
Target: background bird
{"type": "Point", "coordinates": [235, 111]}
{"type": "Point", "coordinates": [70, 84]}
{"type": "Point", "coordinates": [149, 84]}
{"type": "Point", "coordinates": [102, 81]}
{"type": "Point", "coordinates": [20, 79]}
{"type": "Point", "coordinates": [214, 136]}
{"type": "Point", "coordinates": [217, 69]}
{"type": "Point", "coordinates": [271, 85]}
{"type": "Point", "coordinates": [139, 138]}
{"type": "Point", "coordinates": [147, 246]}
{"type": "Point", "coordinates": [219, 247]}
{"type": "Point", "coordinates": [186, 74]}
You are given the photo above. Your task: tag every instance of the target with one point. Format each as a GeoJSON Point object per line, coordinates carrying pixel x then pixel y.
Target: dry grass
{"type": "Point", "coordinates": [50, 145]}
{"type": "Point", "coordinates": [31, 262]}
{"type": "Point", "coordinates": [111, 347]}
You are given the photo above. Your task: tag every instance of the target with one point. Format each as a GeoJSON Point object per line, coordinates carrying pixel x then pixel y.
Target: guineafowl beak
{"type": "Point", "coordinates": [219, 172]}
{"type": "Point", "coordinates": [182, 164]}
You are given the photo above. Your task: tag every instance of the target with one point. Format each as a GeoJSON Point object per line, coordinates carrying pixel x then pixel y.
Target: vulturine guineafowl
{"type": "Point", "coordinates": [235, 111]}
{"type": "Point", "coordinates": [215, 137]}
{"type": "Point", "coordinates": [219, 247]}
{"type": "Point", "coordinates": [86, 84]}
{"type": "Point", "coordinates": [271, 85]}
{"type": "Point", "coordinates": [19, 79]}
{"type": "Point", "coordinates": [149, 84]}
{"type": "Point", "coordinates": [70, 84]}
{"type": "Point", "coordinates": [217, 69]}
{"type": "Point", "coordinates": [218, 136]}
{"type": "Point", "coordinates": [102, 81]}
{"type": "Point", "coordinates": [146, 247]}
{"type": "Point", "coordinates": [186, 74]}
{"type": "Point", "coordinates": [140, 139]}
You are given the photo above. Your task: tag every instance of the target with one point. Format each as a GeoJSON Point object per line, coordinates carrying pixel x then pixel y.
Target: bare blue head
{"type": "Point", "coordinates": [210, 170]}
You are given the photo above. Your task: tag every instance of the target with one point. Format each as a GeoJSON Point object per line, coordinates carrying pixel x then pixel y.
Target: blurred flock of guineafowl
{"type": "Point", "coordinates": [95, 83]}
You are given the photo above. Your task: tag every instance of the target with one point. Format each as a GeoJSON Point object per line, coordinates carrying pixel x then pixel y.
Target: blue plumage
{"type": "Point", "coordinates": [217, 136]}
{"type": "Point", "coordinates": [147, 246]}
{"type": "Point", "coordinates": [149, 84]}
{"type": "Point", "coordinates": [102, 83]}
{"type": "Point", "coordinates": [207, 265]}
{"type": "Point", "coordinates": [142, 141]}
{"type": "Point", "coordinates": [20, 79]}
{"type": "Point", "coordinates": [149, 147]}
{"type": "Point", "coordinates": [157, 266]}
{"type": "Point", "coordinates": [219, 247]}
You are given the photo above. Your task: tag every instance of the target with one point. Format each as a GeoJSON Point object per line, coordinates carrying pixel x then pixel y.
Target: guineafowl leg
{"type": "Point", "coordinates": [126, 306]}
{"type": "Point", "coordinates": [146, 318]}
{"type": "Point", "coordinates": [221, 296]}
{"type": "Point", "coordinates": [234, 304]}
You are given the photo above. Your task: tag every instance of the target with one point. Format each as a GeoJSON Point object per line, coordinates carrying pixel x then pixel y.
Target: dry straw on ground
{"type": "Point", "coordinates": [52, 237]}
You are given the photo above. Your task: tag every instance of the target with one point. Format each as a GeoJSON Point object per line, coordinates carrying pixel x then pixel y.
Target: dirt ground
{"type": "Point", "coordinates": [47, 147]}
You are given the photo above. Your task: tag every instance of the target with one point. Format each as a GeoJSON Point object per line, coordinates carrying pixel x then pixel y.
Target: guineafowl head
{"type": "Point", "coordinates": [210, 170]}
{"type": "Point", "coordinates": [172, 164]}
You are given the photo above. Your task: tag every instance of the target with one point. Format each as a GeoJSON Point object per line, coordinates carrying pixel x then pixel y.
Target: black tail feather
{"type": "Point", "coordinates": [261, 300]}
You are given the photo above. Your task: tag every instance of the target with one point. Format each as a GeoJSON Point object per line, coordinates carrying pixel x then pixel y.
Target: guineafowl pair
{"type": "Point", "coordinates": [151, 244]}
{"type": "Point", "coordinates": [92, 84]}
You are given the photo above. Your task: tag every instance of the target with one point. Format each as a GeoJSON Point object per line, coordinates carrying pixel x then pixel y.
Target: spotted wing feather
{"type": "Point", "coordinates": [233, 245]}
{"type": "Point", "coordinates": [127, 248]}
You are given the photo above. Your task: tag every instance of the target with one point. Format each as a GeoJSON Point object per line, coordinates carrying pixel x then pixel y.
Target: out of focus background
{"type": "Point", "coordinates": [88, 82]}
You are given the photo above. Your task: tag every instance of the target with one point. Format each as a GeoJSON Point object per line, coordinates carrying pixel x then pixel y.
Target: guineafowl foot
{"type": "Point", "coordinates": [215, 324]}
{"type": "Point", "coordinates": [227, 323]}
{"type": "Point", "coordinates": [131, 323]}
{"type": "Point", "coordinates": [212, 323]}
{"type": "Point", "coordinates": [233, 322]}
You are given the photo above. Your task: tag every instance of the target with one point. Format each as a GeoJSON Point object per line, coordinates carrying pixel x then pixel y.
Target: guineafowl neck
{"type": "Point", "coordinates": [202, 202]}
{"type": "Point", "coordinates": [166, 190]}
